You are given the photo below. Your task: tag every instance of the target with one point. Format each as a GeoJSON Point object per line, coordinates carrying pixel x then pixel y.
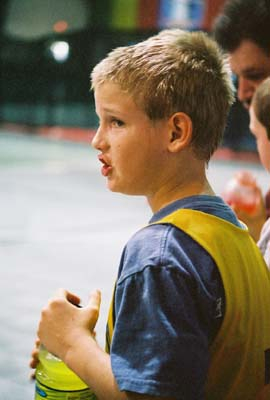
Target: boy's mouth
{"type": "Point", "coordinates": [106, 168]}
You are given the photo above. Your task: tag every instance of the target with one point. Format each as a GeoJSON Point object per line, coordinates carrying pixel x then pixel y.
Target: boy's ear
{"type": "Point", "coordinates": [180, 134]}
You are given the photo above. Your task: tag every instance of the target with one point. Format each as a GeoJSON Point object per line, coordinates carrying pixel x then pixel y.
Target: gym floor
{"type": "Point", "coordinates": [61, 227]}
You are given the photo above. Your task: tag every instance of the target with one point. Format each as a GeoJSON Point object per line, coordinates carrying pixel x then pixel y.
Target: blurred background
{"type": "Point", "coordinates": [59, 226]}
{"type": "Point", "coordinates": [49, 47]}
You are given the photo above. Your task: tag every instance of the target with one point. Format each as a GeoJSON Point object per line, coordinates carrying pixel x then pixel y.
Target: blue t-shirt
{"type": "Point", "coordinates": [169, 305]}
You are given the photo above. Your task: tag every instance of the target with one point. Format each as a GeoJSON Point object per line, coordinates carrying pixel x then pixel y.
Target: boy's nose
{"type": "Point", "coordinates": [98, 141]}
{"type": "Point", "coordinates": [94, 140]}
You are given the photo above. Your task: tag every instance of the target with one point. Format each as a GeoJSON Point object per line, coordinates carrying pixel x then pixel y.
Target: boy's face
{"type": "Point", "coordinates": [251, 65]}
{"type": "Point", "coordinates": [132, 147]}
{"type": "Point", "coordinates": [263, 143]}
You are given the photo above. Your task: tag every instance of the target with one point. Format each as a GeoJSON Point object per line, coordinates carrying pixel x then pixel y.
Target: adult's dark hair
{"type": "Point", "coordinates": [243, 20]}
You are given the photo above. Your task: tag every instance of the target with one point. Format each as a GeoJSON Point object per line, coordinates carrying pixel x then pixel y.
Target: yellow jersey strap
{"type": "Point", "coordinates": [240, 354]}
{"type": "Point", "coordinates": [110, 325]}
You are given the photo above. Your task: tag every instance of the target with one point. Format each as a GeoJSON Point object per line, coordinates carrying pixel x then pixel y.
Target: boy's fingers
{"type": "Point", "coordinates": [32, 376]}
{"type": "Point", "coordinates": [34, 357]}
{"type": "Point", "coordinates": [33, 363]}
{"type": "Point", "coordinates": [34, 354]}
{"type": "Point", "coordinates": [94, 302]}
{"type": "Point", "coordinates": [95, 299]}
{"type": "Point", "coordinates": [70, 297]}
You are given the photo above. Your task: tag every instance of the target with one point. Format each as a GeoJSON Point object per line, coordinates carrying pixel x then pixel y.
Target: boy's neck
{"type": "Point", "coordinates": [162, 199]}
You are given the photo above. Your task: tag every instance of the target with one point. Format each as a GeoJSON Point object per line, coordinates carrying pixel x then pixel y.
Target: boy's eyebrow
{"type": "Point", "coordinates": [112, 111]}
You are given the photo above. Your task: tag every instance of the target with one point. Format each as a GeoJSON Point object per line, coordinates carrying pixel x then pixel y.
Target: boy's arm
{"type": "Point", "coordinates": [65, 331]}
{"type": "Point", "coordinates": [93, 365]}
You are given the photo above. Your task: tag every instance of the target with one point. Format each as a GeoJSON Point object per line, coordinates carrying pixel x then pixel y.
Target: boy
{"type": "Point", "coordinates": [259, 113]}
{"type": "Point", "coordinates": [190, 311]}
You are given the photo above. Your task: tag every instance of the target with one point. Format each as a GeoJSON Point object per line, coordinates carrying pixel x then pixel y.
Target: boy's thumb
{"type": "Point", "coordinates": [93, 308]}
{"type": "Point", "coordinates": [94, 301]}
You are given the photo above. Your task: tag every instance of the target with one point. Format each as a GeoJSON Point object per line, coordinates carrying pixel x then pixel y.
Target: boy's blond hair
{"type": "Point", "coordinates": [175, 71]}
{"type": "Point", "coordinates": [261, 104]}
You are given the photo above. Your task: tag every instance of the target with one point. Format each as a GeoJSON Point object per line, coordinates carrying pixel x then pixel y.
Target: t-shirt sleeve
{"type": "Point", "coordinates": [160, 345]}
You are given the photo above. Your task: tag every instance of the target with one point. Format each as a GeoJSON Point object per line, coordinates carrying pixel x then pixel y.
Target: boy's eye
{"type": "Point", "coordinates": [117, 123]}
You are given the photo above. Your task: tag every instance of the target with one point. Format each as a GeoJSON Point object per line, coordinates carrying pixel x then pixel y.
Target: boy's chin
{"type": "Point", "coordinates": [127, 190]}
{"type": "Point", "coordinates": [113, 187]}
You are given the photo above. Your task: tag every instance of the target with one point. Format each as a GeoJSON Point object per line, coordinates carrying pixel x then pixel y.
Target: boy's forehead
{"type": "Point", "coordinates": [108, 89]}
{"type": "Point", "coordinates": [110, 97]}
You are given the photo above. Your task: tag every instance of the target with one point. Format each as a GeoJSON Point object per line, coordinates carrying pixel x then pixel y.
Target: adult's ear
{"type": "Point", "coordinates": [180, 134]}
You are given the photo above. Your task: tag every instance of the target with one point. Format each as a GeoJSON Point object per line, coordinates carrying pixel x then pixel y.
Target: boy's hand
{"type": "Point", "coordinates": [34, 357]}
{"type": "Point", "coordinates": [62, 324]}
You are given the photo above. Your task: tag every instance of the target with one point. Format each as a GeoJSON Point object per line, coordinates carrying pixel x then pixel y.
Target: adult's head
{"type": "Point", "coordinates": [260, 121]}
{"type": "Point", "coordinates": [243, 30]}
{"type": "Point", "coordinates": [175, 71]}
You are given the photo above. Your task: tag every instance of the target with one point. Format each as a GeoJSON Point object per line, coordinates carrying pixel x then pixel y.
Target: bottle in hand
{"type": "Point", "coordinates": [242, 193]}
{"type": "Point", "coordinates": [55, 381]}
